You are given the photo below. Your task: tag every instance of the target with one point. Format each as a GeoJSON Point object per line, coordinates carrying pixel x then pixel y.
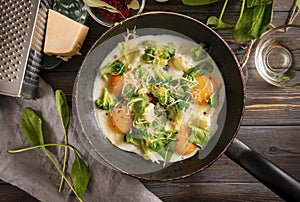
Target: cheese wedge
{"type": "Point", "coordinates": [64, 36]}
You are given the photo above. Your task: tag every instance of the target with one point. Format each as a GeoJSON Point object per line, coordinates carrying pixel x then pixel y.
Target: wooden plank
{"type": "Point", "coordinates": [170, 191]}
{"type": "Point", "coordinates": [9, 193]}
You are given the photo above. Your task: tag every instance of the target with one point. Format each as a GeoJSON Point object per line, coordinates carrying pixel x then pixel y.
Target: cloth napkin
{"type": "Point", "coordinates": [34, 173]}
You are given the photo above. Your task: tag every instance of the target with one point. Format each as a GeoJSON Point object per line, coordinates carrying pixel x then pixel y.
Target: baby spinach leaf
{"type": "Point", "coordinates": [214, 99]}
{"type": "Point", "coordinates": [199, 52]}
{"type": "Point", "coordinates": [168, 151]}
{"type": "Point", "coordinates": [198, 136]}
{"type": "Point", "coordinates": [64, 114]}
{"type": "Point", "coordinates": [138, 142]}
{"type": "Point", "coordinates": [251, 3]}
{"type": "Point", "coordinates": [198, 70]}
{"type": "Point", "coordinates": [253, 20]}
{"type": "Point", "coordinates": [198, 2]}
{"type": "Point", "coordinates": [80, 175]}
{"type": "Point", "coordinates": [32, 127]}
{"type": "Point", "coordinates": [217, 23]}
{"type": "Point", "coordinates": [62, 108]}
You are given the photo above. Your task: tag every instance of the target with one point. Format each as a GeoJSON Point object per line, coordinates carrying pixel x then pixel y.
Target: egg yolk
{"type": "Point", "coordinates": [203, 91]}
{"type": "Point", "coordinates": [184, 147]}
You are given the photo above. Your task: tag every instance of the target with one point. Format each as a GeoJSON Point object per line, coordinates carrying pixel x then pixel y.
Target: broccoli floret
{"type": "Point", "coordinates": [169, 51]}
{"type": "Point", "coordinates": [164, 143]}
{"type": "Point", "coordinates": [105, 101]}
{"type": "Point", "coordinates": [158, 54]}
{"type": "Point", "coordinates": [138, 142]}
{"type": "Point", "coordinates": [149, 55]}
{"type": "Point", "coordinates": [138, 104]}
{"type": "Point", "coordinates": [175, 112]}
{"type": "Point", "coordinates": [198, 70]}
{"type": "Point", "coordinates": [162, 95]}
{"type": "Point", "coordinates": [161, 140]}
{"type": "Point", "coordinates": [116, 68]}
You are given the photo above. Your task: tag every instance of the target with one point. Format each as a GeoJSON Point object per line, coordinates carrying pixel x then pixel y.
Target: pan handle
{"type": "Point", "coordinates": [264, 170]}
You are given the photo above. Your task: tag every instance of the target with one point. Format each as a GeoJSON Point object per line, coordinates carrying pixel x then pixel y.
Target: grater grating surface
{"type": "Point", "coordinates": [22, 27]}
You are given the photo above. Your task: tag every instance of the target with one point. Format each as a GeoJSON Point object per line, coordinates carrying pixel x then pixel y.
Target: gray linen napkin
{"type": "Point", "coordinates": [35, 174]}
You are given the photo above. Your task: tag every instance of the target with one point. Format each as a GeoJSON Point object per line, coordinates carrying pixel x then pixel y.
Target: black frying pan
{"type": "Point", "coordinates": [171, 23]}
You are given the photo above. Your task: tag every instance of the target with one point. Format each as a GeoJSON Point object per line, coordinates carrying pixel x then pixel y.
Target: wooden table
{"type": "Point", "coordinates": [271, 123]}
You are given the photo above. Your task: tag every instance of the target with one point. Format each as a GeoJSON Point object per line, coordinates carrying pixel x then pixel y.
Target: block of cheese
{"type": "Point", "coordinates": [64, 36]}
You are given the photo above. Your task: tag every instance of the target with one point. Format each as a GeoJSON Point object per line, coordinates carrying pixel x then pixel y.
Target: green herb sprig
{"type": "Point", "coordinates": [33, 131]}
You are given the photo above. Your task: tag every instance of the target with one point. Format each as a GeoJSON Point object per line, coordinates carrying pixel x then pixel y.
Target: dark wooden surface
{"type": "Point", "coordinates": [271, 123]}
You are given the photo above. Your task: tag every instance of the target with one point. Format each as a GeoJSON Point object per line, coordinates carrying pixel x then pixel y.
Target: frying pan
{"type": "Point", "coordinates": [93, 138]}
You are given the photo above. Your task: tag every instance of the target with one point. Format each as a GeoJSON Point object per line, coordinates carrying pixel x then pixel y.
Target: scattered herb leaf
{"type": "Point", "coordinates": [80, 175]}
{"type": "Point", "coordinates": [64, 114]}
{"type": "Point", "coordinates": [198, 136]}
{"type": "Point", "coordinates": [214, 99]}
{"type": "Point", "coordinates": [62, 108]}
{"type": "Point", "coordinates": [32, 127]}
{"type": "Point", "coordinates": [198, 70]}
{"type": "Point", "coordinates": [254, 20]}
{"type": "Point", "coordinates": [217, 23]}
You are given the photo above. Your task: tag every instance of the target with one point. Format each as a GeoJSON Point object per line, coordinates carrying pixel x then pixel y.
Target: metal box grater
{"type": "Point", "coordinates": [22, 28]}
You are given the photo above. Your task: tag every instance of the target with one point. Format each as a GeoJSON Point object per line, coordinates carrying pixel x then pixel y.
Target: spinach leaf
{"type": "Point", "coordinates": [80, 175]}
{"type": "Point", "coordinates": [162, 140]}
{"type": "Point", "coordinates": [161, 74]}
{"type": "Point", "coordinates": [138, 142]}
{"type": "Point", "coordinates": [198, 2]}
{"type": "Point", "coordinates": [32, 127]}
{"type": "Point", "coordinates": [198, 70]}
{"type": "Point", "coordinates": [140, 72]}
{"type": "Point", "coordinates": [217, 23]}
{"type": "Point", "coordinates": [199, 52]}
{"type": "Point", "coordinates": [251, 3]}
{"type": "Point", "coordinates": [198, 136]}
{"type": "Point", "coordinates": [253, 20]}
{"type": "Point", "coordinates": [164, 144]}
{"type": "Point", "coordinates": [168, 151]}
{"type": "Point", "coordinates": [64, 114]}
{"type": "Point", "coordinates": [214, 99]}
{"type": "Point", "coordinates": [62, 108]}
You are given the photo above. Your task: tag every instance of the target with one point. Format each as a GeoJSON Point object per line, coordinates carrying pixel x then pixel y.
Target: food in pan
{"type": "Point", "coordinates": [159, 96]}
